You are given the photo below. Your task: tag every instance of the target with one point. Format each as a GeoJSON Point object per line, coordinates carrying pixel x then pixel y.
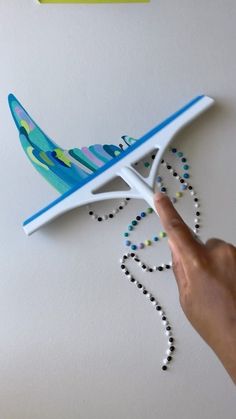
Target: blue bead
{"type": "Point", "coordinates": [186, 175]}
{"type": "Point", "coordinates": [174, 150]}
{"type": "Point", "coordinates": [159, 179]}
{"type": "Point", "coordinates": [127, 243]}
{"type": "Point", "coordinates": [126, 234]}
{"type": "Point", "coordinates": [180, 154]}
{"type": "Point", "coordinates": [183, 187]}
{"type": "Point", "coordinates": [186, 167]}
{"type": "Point", "coordinates": [155, 239]}
{"type": "Point", "coordinates": [133, 247]}
{"type": "Point", "coordinates": [143, 214]}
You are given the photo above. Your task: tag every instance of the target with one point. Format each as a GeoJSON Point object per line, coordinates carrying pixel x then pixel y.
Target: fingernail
{"type": "Point", "coordinates": [159, 196]}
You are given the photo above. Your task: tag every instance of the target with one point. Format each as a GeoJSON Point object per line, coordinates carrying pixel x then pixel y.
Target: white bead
{"type": "Point", "coordinates": [160, 313]}
{"type": "Point", "coordinates": [168, 332]}
{"type": "Point", "coordinates": [115, 211]}
{"type": "Point", "coordinates": [196, 205]}
{"type": "Point", "coordinates": [121, 261]}
{"type": "Point", "coordinates": [129, 276]}
{"type": "Point", "coordinates": [192, 193]}
{"type": "Point", "coordinates": [164, 322]}
{"type": "Point", "coordinates": [154, 302]}
{"type": "Point", "coordinates": [178, 177]}
{"type": "Point", "coordinates": [123, 203]}
{"type": "Point", "coordinates": [196, 220]}
{"type": "Point", "coordinates": [105, 217]}
{"type": "Point", "coordinates": [147, 295]}
{"type": "Point", "coordinates": [168, 352]}
{"type": "Point", "coordinates": [165, 361]}
{"type": "Point", "coordinates": [163, 265]}
{"type": "Point", "coordinates": [155, 268]}
{"type": "Point", "coordinates": [94, 216]}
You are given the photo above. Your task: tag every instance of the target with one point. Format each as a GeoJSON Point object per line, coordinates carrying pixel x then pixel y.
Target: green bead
{"type": "Point", "coordinates": [148, 242]}
{"type": "Point", "coordinates": [178, 194]}
{"type": "Point", "coordinates": [134, 223]}
{"type": "Point", "coordinates": [149, 210]}
{"type": "Point", "coordinates": [186, 167]}
{"type": "Point", "coordinates": [162, 234]}
{"type": "Point", "coordinates": [126, 234]}
{"type": "Point", "coordinates": [146, 164]}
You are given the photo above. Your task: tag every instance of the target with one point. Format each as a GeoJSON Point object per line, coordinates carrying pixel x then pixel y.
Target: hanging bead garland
{"type": "Point", "coordinates": [183, 187]}
{"type": "Point", "coordinates": [156, 304]}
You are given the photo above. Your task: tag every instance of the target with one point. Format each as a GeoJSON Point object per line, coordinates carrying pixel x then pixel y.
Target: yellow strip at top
{"type": "Point", "coordinates": [94, 1]}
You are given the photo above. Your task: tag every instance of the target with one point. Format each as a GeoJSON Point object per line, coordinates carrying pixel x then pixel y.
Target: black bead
{"type": "Point", "coordinates": [144, 292]}
{"type": "Point", "coordinates": [125, 257]}
{"type": "Point", "coordinates": [168, 328]}
{"type": "Point", "coordinates": [120, 208]}
{"type": "Point", "coordinates": [140, 286]}
{"type": "Point", "coordinates": [169, 358]}
{"type": "Point", "coordinates": [132, 279]}
{"type": "Point", "coordinates": [132, 255]}
{"type": "Point", "coordinates": [158, 308]}
{"type": "Point", "coordinates": [122, 266]}
{"type": "Point", "coordinates": [127, 199]}
{"type": "Point", "coordinates": [163, 189]}
{"type": "Point", "coordinates": [110, 215]}
{"type": "Point", "coordinates": [163, 318]}
{"type": "Point", "coordinates": [183, 159]}
{"type": "Point", "coordinates": [144, 267]}
{"type": "Point", "coordinates": [137, 260]}
{"type": "Point", "coordinates": [197, 213]}
{"type": "Point", "coordinates": [190, 187]}
{"type": "Point", "coordinates": [172, 348]}
{"type": "Point", "coordinates": [90, 212]}
{"type": "Point", "coordinates": [175, 174]}
{"type": "Point", "coordinates": [168, 167]}
{"type": "Point", "coordinates": [152, 299]}
{"type": "Point", "coordinates": [153, 156]}
{"type": "Point", "coordinates": [171, 340]}
{"type": "Point", "coordinates": [150, 270]}
{"type": "Point", "coordinates": [182, 180]}
{"type": "Point", "coordinates": [195, 199]}
{"type": "Point", "coordinates": [164, 367]}
{"type": "Point", "coordinates": [197, 225]}
{"type": "Point", "coordinates": [138, 218]}
{"type": "Point", "coordinates": [126, 272]}
{"type": "Point", "coordinates": [160, 268]}
{"type": "Point", "coordinates": [167, 266]}
{"type": "Point", "coordinates": [99, 218]}
{"type": "Point", "coordinates": [162, 161]}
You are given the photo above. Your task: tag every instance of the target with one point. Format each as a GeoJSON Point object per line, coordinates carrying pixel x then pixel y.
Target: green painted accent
{"type": "Point", "coordinates": [24, 124]}
{"type": "Point", "coordinates": [117, 153]}
{"type": "Point", "coordinates": [44, 156]}
{"type": "Point", "coordinates": [94, 1]}
{"type": "Point", "coordinates": [146, 164]}
{"type": "Point", "coordinates": [61, 156]}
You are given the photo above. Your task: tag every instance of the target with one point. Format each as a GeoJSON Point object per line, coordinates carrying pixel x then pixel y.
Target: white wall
{"type": "Point", "coordinates": [76, 341]}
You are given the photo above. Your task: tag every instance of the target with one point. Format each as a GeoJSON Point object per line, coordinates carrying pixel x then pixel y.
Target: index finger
{"type": "Point", "coordinates": [180, 236]}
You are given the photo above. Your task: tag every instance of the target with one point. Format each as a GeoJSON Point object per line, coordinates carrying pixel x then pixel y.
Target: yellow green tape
{"type": "Point", "coordinates": [94, 1]}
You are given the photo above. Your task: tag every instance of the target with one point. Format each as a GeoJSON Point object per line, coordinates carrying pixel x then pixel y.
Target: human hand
{"type": "Point", "coordinates": [206, 279]}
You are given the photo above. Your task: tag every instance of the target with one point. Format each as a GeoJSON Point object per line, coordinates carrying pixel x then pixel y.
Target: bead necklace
{"type": "Point", "coordinates": [120, 206]}
{"type": "Point", "coordinates": [167, 327]}
{"type": "Point", "coordinates": [184, 187]}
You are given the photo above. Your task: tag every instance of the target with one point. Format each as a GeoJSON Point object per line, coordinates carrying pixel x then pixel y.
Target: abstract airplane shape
{"type": "Point", "coordinates": [78, 173]}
